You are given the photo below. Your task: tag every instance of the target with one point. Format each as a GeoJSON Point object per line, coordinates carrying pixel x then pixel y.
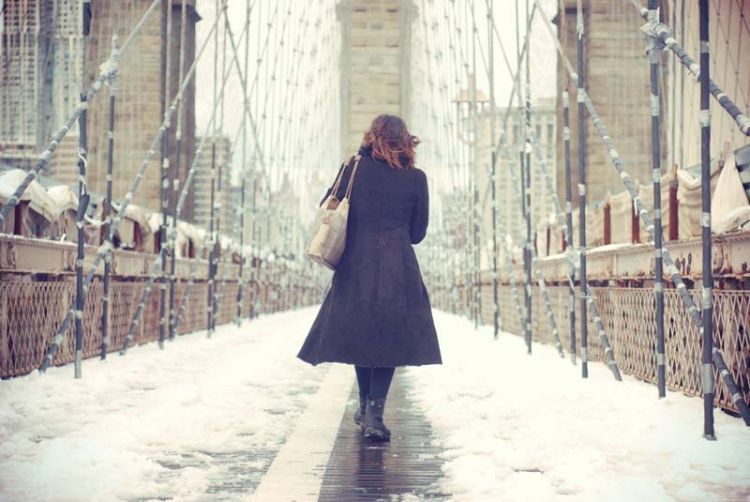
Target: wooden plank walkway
{"type": "Point", "coordinates": [408, 466]}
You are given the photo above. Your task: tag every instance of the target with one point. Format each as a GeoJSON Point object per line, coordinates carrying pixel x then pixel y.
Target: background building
{"type": "Point", "coordinates": [618, 84]}
{"type": "Point", "coordinates": [617, 80]}
{"type": "Point", "coordinates": [222, 188]}
{"type": "Point", "coordinates": [543, 125]}
{"type": "Point", "coordinates": [374, 64]}
{"type": "Point", "coordinates": [43, 64]}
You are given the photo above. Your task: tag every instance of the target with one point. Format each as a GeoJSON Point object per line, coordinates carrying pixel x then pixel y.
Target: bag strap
{"type": "Point", "coordinates": [337, 183]}
{"type": "Point", "coordinates": [351, 178]}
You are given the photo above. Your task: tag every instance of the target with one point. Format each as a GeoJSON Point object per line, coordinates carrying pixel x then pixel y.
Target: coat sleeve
{"type": "Point", "coordinates": [421, 211]}
{"type": "Point", "coordinates": [344, 181]}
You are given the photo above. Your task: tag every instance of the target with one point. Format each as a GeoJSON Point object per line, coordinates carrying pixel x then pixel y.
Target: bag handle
{"type": "Point", "coordinates": [337, 183]}
{"type": "Point", "coordinates": [348, 193]}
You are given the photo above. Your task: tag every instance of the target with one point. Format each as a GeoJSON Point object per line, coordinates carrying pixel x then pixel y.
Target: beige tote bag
{"type": "Point", "coordinates": [328, 242]}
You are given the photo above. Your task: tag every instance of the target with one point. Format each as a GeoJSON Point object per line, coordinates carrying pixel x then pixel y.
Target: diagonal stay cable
{"type": "Point", "coordinates": [107, 71]}
{"type": "Point", "coordinates": [655, 28]}
{"type": "Point", "coordinates": [105, 249]}
{"type": "Point", "coordinates": [590, 299]}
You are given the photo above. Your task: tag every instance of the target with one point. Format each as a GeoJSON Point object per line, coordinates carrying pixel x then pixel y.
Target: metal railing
{"type": "Point", "coordinates": [32, 311]}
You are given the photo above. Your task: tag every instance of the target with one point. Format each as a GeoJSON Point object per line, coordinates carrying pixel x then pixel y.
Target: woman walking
{"type": "Point", "coordinates": [376, 314]}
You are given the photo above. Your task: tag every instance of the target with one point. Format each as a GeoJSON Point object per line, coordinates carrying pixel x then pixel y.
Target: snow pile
{"type": "Point", "coordinates": [518, 427]}
{"type": "Point", "coordinates": [201, 417]}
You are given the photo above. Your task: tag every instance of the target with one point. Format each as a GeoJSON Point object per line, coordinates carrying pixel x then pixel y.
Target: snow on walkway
{"type": "Point", "coordinates": [204, 419]}
{"type": "Point", "coordinates": [199, 420]}
{"type": "Point", "coordinates": [518, 427]}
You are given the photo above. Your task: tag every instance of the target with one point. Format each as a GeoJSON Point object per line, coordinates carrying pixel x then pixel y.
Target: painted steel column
{"type": "Point", "coordinates": [240, 281]}
{"type": "Point", "coordinates": [83, 196]}
{"type": "Point", "coordinates": [582, 189]}
{"type": "Point", "coordinates": [212, 237]}
{"type": "Point", "coordinates": [569, 225]}
{"type": "Point", "coordinates": [212, 240]}
{"type": "Point", "coordinates": [708, 280]}
{"type": "Point", "coordinates": [654, 50]}
{"type": "Point", "coordinates": [107, 209]}
{"type": "Point", "coordinates": [527, 191]}
{"type": "Point", "coordinates": [172, 237]}
{"type": "Point", "coordinates": [164, 188]}
{"type": "Point", "coordinates": [493, 170]}
{"type": "Point", "coordinates": [474, 173]}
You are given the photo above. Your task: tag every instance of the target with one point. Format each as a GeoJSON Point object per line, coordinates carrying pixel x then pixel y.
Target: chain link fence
{"type": "Point", "coordinates": [31, 312]}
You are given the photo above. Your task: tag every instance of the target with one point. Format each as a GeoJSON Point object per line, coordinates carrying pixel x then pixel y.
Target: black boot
{"type": "Point", "coordinates": [359, 415]}
{"type": "Point", "coordinates": [373, 427]}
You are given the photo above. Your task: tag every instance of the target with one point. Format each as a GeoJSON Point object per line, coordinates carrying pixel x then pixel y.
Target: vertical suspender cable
{"type": "Point", "coordinates": [582, 188]}
{"type": "Point", "coordinates": [83, 195]}
{"type": "Point", "coordinates": [211, 236]}
{"type": "Point", "coordinates": [240, 279]}
{"type": "Point", "coordinates": [527, 186]}
{"type": "Point", "coordinates": [254, 188]}
{"type": "Point", "coordinates": [493, 168]}
{"type": "Point", "coordinates": [708, 280]}
{"type": "Point", "coordinates": [681, 157]}
{"type": "Point", "coordinates": [654, 50]}
{"type": "Point", "coordinates": [107, 209]}
{"type": "Point", "coordinates": [218, 202]}
{"type": "Point", "coordinates": [164, 187]}
{"type": "Point", "coordinates": [172, 234]}
{"type": "Point", "coordinates": [474, 169]}
{"type": "Point", "coordinates": [526, 264]}
{"type": "Point", "coordinates": [467, 176]}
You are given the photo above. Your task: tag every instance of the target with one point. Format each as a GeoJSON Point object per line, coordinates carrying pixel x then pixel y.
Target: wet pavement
{"type": "Point", "coordinates": [407, 468]}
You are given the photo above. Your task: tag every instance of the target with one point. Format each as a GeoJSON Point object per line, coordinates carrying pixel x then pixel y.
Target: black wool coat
{"type": "Point", "coordinates": [377, 312]}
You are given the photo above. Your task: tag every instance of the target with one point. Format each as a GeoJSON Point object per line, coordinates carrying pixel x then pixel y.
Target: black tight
{"type": "Point", "coordinates": [374, 382]}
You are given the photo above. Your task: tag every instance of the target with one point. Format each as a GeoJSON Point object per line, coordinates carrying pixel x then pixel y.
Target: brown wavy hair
{"type": "Point", "coordinates": [388, 139]}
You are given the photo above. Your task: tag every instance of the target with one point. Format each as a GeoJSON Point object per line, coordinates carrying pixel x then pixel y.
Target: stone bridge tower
{"type": "Point", "coordinates": [374, 64]}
